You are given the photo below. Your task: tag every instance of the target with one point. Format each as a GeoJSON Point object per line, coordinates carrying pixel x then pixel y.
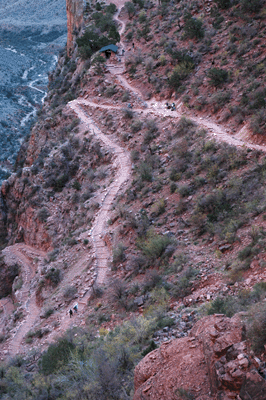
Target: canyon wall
{"type": "Point", "coordinates": [74, 21]}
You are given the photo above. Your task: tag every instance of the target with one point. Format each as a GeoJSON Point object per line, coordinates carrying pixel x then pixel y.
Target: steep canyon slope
{"type": "Point", "coordinates": [147, 218]}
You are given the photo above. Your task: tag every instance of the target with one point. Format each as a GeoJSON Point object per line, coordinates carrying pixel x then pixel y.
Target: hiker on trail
{"type": "Point", "coordinates": [75, 308]}
{"type": "Point", "coordinates": [70, 312]}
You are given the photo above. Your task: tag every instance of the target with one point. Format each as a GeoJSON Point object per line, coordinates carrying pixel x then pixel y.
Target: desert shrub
{"type": "Point", "coordinates": [184, 394]}
{"type": "Point", "coordinates": [48, 312]}
{"type": "Point", "coordinates": [155, 245]}
{"type": "Point", "coordinates": [158, 208]}
{"type": "Point", "coordinates": [130, 9]}
{"type": "Point", "coordinates": [215, 205]}
{"type": "Point", "coordinates": [193, 27]}
{"type": "Point", "coordinates": [119, 291]}
{"type": "Point", "coordinates": [91, 41]}
{"type": "Point", "coordinates": [180, 73]}
{"type": "Point", "coordinates": [43, 214]}
{"type": "Point", "coordinates": [56, 356]}
{"type": "Point", "coordinates": [251, 6]}
{"type": "Point", "coordinates": [142, 16]}
{"type": "Point", "coordinates": [70, 292]}
{"type": "Point", "coordinates": [110, 91]}
{"type": "Point", "coordinates": [223, 3]}
{"type": "Point", "coordinates": [152, 279]}
{"type": "Point", "coordinates": [145, 172]}
{"type": "Point", "coordinates": [223, 305]}
{"type": "Point", "coordinates": [127, 113]}
{"type": "Point", "coordinates": [256, 327]}
{"type": "Point", "coordinates": [126, 96]}
{"type": "Point", "coordinates": [180, 260]}
{"type": "Point", "coordinates": [219, 99]}
{"type": "Point", "coordinates": [183, 285]}
{"type": "Point", "coordinates": [184, 190]}
{"type": "Point", "coordinates": [256, 99]}
{"type": "Point", "coordinates": [152, 346]}
{"type": "Point", "coordinates": [136, 126]}
{"type": "Point", "coordinates": [59, 183]}
{"type": "Point", "coordinates": [76, 185]}
{"type": "Point", "coordinates": [119, 253]}
{"type": "Point", "coordinates": [111, 8]}
{"type": "Point", "coordinates": [54, 276]}
{"type": "Point", "coordinates": [151, 126]}
{"type": "Point", "coordinates": [258, 123]}
{"type": "Point", "coordinates": [217, 76]}
{"type": "Point", "coordinates": [185, 126]}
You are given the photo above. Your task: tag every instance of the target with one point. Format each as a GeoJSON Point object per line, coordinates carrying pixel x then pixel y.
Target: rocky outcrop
{"type": "Point", "coordinates": [74, 21]}
{"type": "Point", "coordinates": [213, 362]}
{"type": "Point", "coordinates": [3, 218]}
{"type": "Point", "coordinates": [7, 276]}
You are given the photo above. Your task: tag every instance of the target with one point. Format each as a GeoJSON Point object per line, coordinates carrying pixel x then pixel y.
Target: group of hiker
{"type": "Point", "coordinates": [75, 308]}
{"type": "Point", "coordinates": [170, 106]}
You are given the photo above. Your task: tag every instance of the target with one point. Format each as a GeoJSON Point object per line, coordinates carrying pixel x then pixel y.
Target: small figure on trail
{"type": "Point", "coordinates": [123, 52]}
{"type": "Point", "coordinates": [70, 312]}
{"type": "Point", "coordinates": [173, 107]}
{"type": "Point", "coordinates": [167, 105]}
{"type": "Point", "coordinates": [133, 45]}
{"type": "Point", "coordinates": [129, 105]}
{"type": "Point", "coordinates": [75, 308]}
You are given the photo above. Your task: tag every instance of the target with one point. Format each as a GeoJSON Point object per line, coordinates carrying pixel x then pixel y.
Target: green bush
{"type": "Point", "coordinates": [91, 41]}
{"type": "Point", "coordinates": [155, 245]}
{"type": "Point", "coordinates": [217, 76]}
{"type": "Point", "coordinates": [251, 6]}
{"type": "Point", "coordinates": [193, 27]}
{"type": "Point", "coordinates": [111, 8]}
{"type": "Point", "coordinates": [256, 327]}
{"type": "Point", "coordinates": [136, 126]}
{"type": "Point", "coordinates": [54, 276]}
{"type": "Point", "coordinates": [180, 73]}
{"type": "Point", "coordinates": [145, 172]}
{"type": "Point", "coordinates": [223, 3]}
{"type": "Point", "coordinates": [56, 356]}
{"type": "Point", "coordinates": [183, 285]}
{"type": "Point", "coordinates": [223, 305]}
{"type": "Point", "coordinates": [130, 9]}
{"type": "Point", "coordinates": [119, 253]}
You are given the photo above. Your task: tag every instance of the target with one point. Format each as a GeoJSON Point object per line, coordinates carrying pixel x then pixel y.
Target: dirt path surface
{"type": "Point", "coordinates": [24, 256]}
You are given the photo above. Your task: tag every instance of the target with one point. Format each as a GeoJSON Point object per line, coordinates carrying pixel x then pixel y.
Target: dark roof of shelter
{"type": "Point", "coordinates": [111, 47]}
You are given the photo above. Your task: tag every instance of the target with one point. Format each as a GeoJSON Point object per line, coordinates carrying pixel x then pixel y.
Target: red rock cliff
{"type": "Point", "coordinates": [74, 21]}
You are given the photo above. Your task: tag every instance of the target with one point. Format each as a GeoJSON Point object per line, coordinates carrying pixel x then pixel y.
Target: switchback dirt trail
{"type": "Point", "coordinates": [122, 165]}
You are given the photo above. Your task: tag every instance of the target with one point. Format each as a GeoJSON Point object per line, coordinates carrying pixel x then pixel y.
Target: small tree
{"type": "Point", "coordinates": [130, 8]}
{"type": "Point", "coordinates": [217, 76]}
{"type": "Point", "coordinates": [193, 27]}
{"type": "Point", "coordinates": [223, 3]}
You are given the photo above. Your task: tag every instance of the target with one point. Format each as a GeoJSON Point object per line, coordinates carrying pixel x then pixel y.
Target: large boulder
{"type": "Point", "coordinates": [213, 362]}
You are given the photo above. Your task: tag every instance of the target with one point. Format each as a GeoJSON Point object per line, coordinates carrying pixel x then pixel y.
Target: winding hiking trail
{"type": "Point", "coordinates": [24, 256]}
{"type": "Point", "coordinates": [122, 166]}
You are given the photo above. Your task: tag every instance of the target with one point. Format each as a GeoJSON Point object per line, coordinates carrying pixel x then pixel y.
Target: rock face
{"type": "Point", "coordinates": [7, 276]}
{"type": "Point", "coordinates": [3, 218]}
{"type": "Point", "coordinates": [213, 362]}
{"type": "Point", "coordinates": [74, 21]}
